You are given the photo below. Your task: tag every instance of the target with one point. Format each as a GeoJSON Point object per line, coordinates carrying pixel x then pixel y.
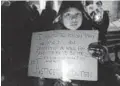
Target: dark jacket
{"type": "Point", "coordinates": [102, 27]}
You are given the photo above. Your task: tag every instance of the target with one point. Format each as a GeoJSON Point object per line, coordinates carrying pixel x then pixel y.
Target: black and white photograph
{"type": "Point", "coordinates": [60, 43]}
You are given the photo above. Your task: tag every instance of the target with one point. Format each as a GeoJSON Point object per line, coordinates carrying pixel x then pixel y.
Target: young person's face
{"type": "Point", "coordinates": [72, 18]}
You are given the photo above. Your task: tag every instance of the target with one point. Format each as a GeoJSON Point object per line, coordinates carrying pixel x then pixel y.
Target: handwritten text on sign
{"type": "Point", "coordinates": [63, 53]}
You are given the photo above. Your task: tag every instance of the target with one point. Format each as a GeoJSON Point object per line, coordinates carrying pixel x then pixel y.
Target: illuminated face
{"type": "Point", "coordinates": [72, 18]}
{"type": "Point", "coordinates": [95, 11]}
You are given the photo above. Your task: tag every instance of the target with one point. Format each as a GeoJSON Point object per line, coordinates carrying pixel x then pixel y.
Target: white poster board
{"type": "Point", "coordinates": [63, 54]}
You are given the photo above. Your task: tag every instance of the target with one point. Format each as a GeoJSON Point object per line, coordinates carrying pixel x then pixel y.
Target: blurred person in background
{"type": "Point", "coordinates": [16, 28]}
{"type": "Point", "coordinates": [99, 18]}
{"type": "Point", "coordinates": [47, 16]}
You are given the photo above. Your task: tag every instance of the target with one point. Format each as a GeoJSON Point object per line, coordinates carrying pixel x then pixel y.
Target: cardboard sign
{"type": "Point", "coordinates": [63, 54]}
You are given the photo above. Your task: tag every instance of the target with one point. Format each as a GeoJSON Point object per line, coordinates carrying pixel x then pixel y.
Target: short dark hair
{"type": "Point", "coordinates": [99, 3]}
{"type": "Point", "coordinates": [68, 4]}
{"type": "Point", "coordinates": [88, 2]}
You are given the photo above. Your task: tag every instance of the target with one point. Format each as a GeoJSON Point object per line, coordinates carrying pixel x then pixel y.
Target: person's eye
{"type": "Point", "coordinates": [91, 8]}
{"type": "Point", "coordinates": [66, 15]}
{"type": "Point", "coordinates": [78, 14]}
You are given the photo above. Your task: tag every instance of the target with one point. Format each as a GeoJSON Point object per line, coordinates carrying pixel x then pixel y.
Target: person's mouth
{"type": "Point", "coordinates": [74, 24]}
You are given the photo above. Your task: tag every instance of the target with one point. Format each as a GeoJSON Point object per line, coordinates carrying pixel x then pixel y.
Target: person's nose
{"type": "Point", "coordinates": [73, 18]}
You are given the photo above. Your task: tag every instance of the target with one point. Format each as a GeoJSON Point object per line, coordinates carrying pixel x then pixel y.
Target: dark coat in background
{"type": "Point", "coordinates": [45, 20]}
{"type": "Point", "coordinates": [47, 16]}
{"type": "Point", "coordinates": [17, 27]}
{"type": "Point", "coordinates": [102, 27]}
{"type": "Point", "coordinates": [18, 31]}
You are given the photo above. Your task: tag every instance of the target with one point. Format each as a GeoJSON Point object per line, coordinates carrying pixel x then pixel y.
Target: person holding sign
{"type": "Point", "coordinates": [72, 16]}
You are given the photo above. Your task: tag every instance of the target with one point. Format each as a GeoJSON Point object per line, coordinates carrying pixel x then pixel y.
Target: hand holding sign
{"type": "Point", "coordinates": [98, 51]}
